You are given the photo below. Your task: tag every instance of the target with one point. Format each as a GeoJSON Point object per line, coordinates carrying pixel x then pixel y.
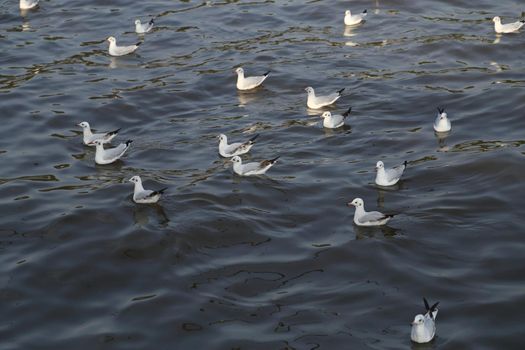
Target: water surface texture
{"type": "Point", "coordinates": [270, 262]}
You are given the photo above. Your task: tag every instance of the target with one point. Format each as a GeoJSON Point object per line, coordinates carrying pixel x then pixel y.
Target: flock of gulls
{"type": "Point", "coordinates": [423, 326]}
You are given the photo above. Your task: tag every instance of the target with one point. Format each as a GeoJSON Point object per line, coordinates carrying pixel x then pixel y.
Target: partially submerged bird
{"type": "Point", "coordinates": [254, 168]}
{"type": "Point", "coordinates": [143, 28]}
{"type": "Point", "coordinates": [107, 156]}
{"type": "Point", "coordinates": [142, 196]}
{"type": "Point", "coordinates": [316, 102]}
{"type": "Point", "coordinates": [248, 83]}
{"type": "Point", "coordinates": [115, 50]}
{"type": "Point", "coordinates": [364, 218]}
{"type": "Point", "coordinates": [424, 326]}
{"type": "Point", "coordinates": [354, 19]}
{"type": "Point", "coordinates": [89, 138]}
{"type": "Point", "coordinates": [28, 4]}
{"type": "Point", "coordinates": [506, 28]}
{"type": "Point", "coordinates": [333, 121]}
{"type": "Point", "coordinates": [389, 177]}
{"type": "Point", "coordinates": [234, 149]}
{"type": "Point", "coordinates": [442, 123]}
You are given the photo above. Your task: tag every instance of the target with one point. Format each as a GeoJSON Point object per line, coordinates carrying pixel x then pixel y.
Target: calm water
{"type": "Point", "coordinates": [267, 262]}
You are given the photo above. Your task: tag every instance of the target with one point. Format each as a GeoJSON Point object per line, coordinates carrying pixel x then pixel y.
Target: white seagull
{"type": "Point", "coordinates": [424, 326]}
{"type": "Point", "coordinates": [371, 218]}
{"type": "Point", "coordinates": [89, 138]}
{"type": "Point", "coordinates": [255, 168]}
{"type": "Point", "coordinates": [442, 123]}
{"type": "Point", "coordinates": [316, 102]}
{"type": "Point", "coordinates": [334, 121]}
{"type": "Point", "coordinates": [107, 156]}
{"type": "Point", "coordinates": [506, 28]}
{"type": "Point", "coordinates": [389, 177]}
{"type": "Point", "coordinates": [28, 4]}
{"type": "Point", "coordinates": [115, 50]}
{"type": "Point", "coordinates": [142, 196]}
{"type": "Point", "coordinates": [143, 28]}
{"type": "Point", "coordinates": [248, 83]}
{"type": "Point", "coordinates": [234, 149]}
{"type": "Point", "coordinates": [350, 19]}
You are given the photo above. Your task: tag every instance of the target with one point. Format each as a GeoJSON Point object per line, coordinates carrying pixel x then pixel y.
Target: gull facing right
{"type": "Point", "coordinates": [234, 149]}
{"type": "Point", "coordinates": [334, 121]}
{"type": "Point", "coordinates": [89, 138]}
{"type": "Point", "coordinates": [424, 326]}
{"type": "Point", "coordinates": [389, 177]}
{"type": "Point", "coordinates": [442, 123]}
{"type": "Point", "coordinates": [254, 168]}
{"type": "Point", "coordinates": [143, 28]}
{"type": "Point", "coordinates": [364, 218]}
{"type": "Point", "coordinates": [351, 20]}
{"type": "Point", "coordinates": [248, 83]}
{"type": "Point", "coordinates": [108, 156]}
{"type": "Point", "coordinates": [115, 50]}
{"type": "Point", "coordinates": [316, 102]}
{"type": "Point", "coordinates": [506, 28]}
{"type": "Point", "coordinates": [142, 196]}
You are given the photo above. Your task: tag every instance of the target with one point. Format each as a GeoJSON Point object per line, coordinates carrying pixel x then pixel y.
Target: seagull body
{"type": "Point", "coordinates": [335, 121]}
{"type": "Point", "coordinates": [107, 156]}
{"type": "Point", "coordinates": [506, 28]}
{"type": "Point", "coordinates": [424, 326]}
{"type": "Point", "coordinates": [254, 168]}
{"type": "Point", "coordinates": [142, 196]}
{"type": "Point", "coordinates": [389, 177]}
{"type": "Point", "coordinates": [115, 50]}
{"type": "Point", "coordinates": [234, 149]}
{"type": "Point", "coordinates": [442, 123]}
{"type": "Point", "coordinates": [143, 28]}
{"type": "Point", "coordinates": [316, 102]}
{"type": "Point", "coordinates": [354, 19]}
{"type": "Point", "coordinates": [28, 4]}
{"type": "Point", "coordinates": [89, 138]}
{"type": "Point", "coordinates": [248, 83]}
{"type": "Point", "coordinates": [371, 218]}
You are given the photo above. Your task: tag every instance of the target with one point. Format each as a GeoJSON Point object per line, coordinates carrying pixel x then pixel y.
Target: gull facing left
{"type": "Point", "coordinates": [234, 149]}
{"type": "Point", "coordinates": [334, 121]}
{"type": "Point", "coordinates": [351, 20]}
{"type": "Point", "coordinates": [389, 177]}
{"type": "Point", "coordinates": [254, 168]}
{"type": "Point", "coordinates": [506, 28]}
{"type": "Point", "coordinates": [115, 50]}
{"type": "Point", "coordinates": [142, 196]}
{"type": "Point", "coordinates": [89, 138]}
{"type": "Point", "coordinates": [364, 218]}
{"type": "Point", "coordinates": [316, 102]}
{"type": "Point", "coordinates": [248, 83]}
{"type": "Point", "coordinates": [424, 326]}
{"type": "Point", "coordinates": [28, 4]}
{"type": "Point", "coordinates": [108, 156]}
{"type": "Point", "coordinates": [143, 28]}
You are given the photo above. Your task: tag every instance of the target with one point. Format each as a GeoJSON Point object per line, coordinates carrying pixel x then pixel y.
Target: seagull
{"type": "Point", "coordinates": [249, 82]}
{"type": "Point", "coordinates": [143, 28]}
{"type": "Point", "coordinates": [234, 149]}
{"type": "Point", "coordinates": [90, 138]}
{"type": "Point", "coordinates": [115, 50]}
{"type": "Point", "coordinates": [506, 28]}
{"type": "Point", "coordinates": [371, 218]}
{"type": "Point", "coordinates": [389, 177]}
{"type": "Point", "coordinates": [28, 4]}
{"type": "Point", "coordinates": [335, 121]}
{"type": "Point", "coordinates": [107, 156]}
{"type": "Point", "coordinates": [142, 196]}
{"type": "Point", "coordinates": [424, 326]}
{"type": "Point", "coordinates": [354, 19]}
{"type": "Point", "coordinates": [442, 123]}
{"type": "Point", "coordinates": [316, 102]}
{"type": "Point", "coordinates": [255, 168]}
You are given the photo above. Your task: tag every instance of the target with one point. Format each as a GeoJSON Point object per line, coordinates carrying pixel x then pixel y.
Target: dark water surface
{"type": "Point", "coordinates": [266, 262]}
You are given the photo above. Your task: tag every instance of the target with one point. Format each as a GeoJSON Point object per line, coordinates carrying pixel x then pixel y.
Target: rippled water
{"type": "Point", "coordinates": [267, 262]}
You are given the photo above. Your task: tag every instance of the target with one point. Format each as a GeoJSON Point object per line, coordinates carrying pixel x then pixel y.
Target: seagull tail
{"type": "Point", "coordinates": [139, 43]}
{"type": "Point", "coordinates": [267, 73]}
{"type": "Point", "coordinates": [128, 142]}
{"type": "Point", "coordinates": [341, 91]}
{"type": "Point", "coordinates": [347, 113]}
{"type": "Point", "coordinates": [253, 138]}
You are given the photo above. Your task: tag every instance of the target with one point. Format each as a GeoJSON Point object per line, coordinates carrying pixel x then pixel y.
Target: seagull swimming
{"type": "Point", "coordinates": [506, 28]}
{"type": "Point", "coordinates": [248, 83]}
{"type": "Point", "coordinates": [442, 123]}
{"type": "Point", "coordinates": [254, 168]}
{"type": "Point", "coordinates": [143, 28]}
{"type": "Point", "coordinates": [371, 218]}
{"type": "Point", "coordinates": [316, 102]}
{"type": "Point", "coordinates": [28, 4]}
{"type": "Point", "coordinates": [90, 138]}
{"type": "Point", "coordinates": [142, 196]}
{"type": "Point", "coordinates": [107, 156]}
{"type": "Point", "coordinates": [234, 149]}
{"type": "Point", "coordinates": [424, 326]}
{"type": "Point", "coordinates": [115, 50]}
{"type": "Point", "coordinates": [335, 121]}
{"type": "Point", "coordinates": [389, 177]}
{"type": "Point", "coordinates": [354, 19]}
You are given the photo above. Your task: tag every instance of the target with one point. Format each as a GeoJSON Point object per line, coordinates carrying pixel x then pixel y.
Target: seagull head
{"type": "Point", "coordinates": [496, 19]}
{"type": "Point", "coordinates": [111, 39]}
{"type": "Point", "coordinates": [239, 71]}
{"type": "Point", "coordinates": [348, 13]}
{"type": "Point", "coordinates": [357, 202]}
{"type": "Point", "coordinates": [309, 90]}
{"type": "Point", "coordinates": [83, 125]}
{"type": "Point", "coordinates": [419, 319]}
{"type": "Point", "coordinates": [222, 138]}
{"type": "Point", "coordinates": [236, 159]}
{"type": "Point", "coordinates": [326, 114]}
{"type": "Point", "coordinates": [137, 21]}
{"type": "Point", "coordinates": [379, 165]}
{"type": "Point", "coordinates": [135, 179]}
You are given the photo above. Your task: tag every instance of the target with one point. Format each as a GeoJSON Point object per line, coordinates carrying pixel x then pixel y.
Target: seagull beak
{"type": "Point", "coordinates": [413, 323]}
{"type": "Point", "coordinates": [349, 204]}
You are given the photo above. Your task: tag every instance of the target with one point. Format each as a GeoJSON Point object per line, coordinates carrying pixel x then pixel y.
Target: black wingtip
{"type": "Point", "coordinates": [341, 91]}
{"type": "Point", "coordinates": [427, 307]}
{"type": "Point", "coordinates": [441, 109]}
{"type": "Point", "coordinates": [267, 73]}
{"type": "Point", "coordinates": [347, 113]}
{"type": "Point", "coordinates": [114, 132]}
{"type": "Point", "coordinates": [152, 21]}
{"type": "Point", "coordinates": [523, 21]}
{"type": "Point", "coordinates": [274, 160]}
{"type": "Point", "coordinates": [365, 11]}
{"type": "Point", "coordinates": [128, 142]}
{"type": "Point", "coordinates": [139, 43]}
{"type": "Point", "coordinates": [253, 138]}
{"type": "Point", "coordinates": [161, 191]}
{"type": "Point", "coordinates": [433, 307]}
{"type": "Point", "coordinates": [405, 163]}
